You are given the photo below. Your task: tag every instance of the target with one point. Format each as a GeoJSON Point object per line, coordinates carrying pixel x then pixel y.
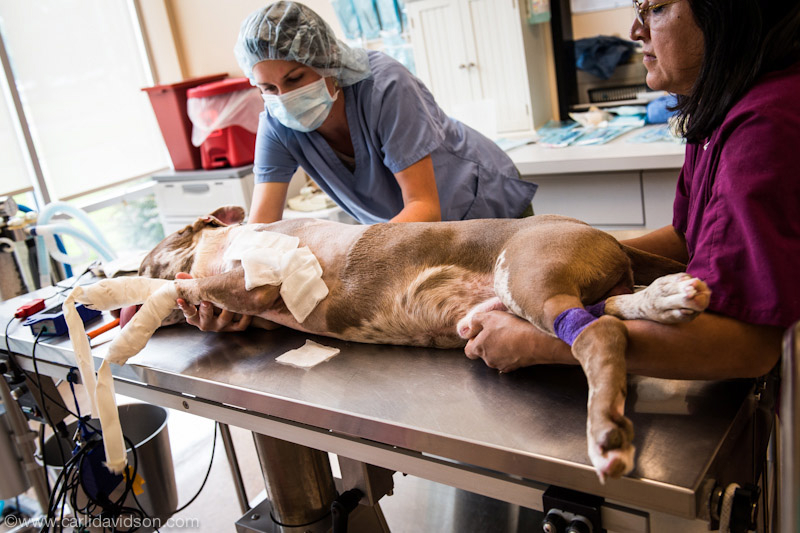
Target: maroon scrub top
{"type": "Point", "coordinates": [738, 204]}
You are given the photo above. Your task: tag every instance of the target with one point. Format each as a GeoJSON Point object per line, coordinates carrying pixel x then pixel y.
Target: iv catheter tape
{"type": "Point", "coordinates": [159, 296]}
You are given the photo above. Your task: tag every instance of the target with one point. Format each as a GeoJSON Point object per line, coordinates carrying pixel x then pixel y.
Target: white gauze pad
{"type": "Point", "coordinates": [308, 355]}
{"type": "Point", "coordinates": [270, 258]}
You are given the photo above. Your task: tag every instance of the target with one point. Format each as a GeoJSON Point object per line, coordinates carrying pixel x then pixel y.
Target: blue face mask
{"type": "Point", "coordinates": [304, 109]}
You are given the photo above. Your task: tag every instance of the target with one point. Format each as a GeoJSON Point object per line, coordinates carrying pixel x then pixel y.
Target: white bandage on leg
{"type": "Point", "coordinates": [270, 258]}
{"type": "Point", "coordinates": [267, 258]}
{"type": "Point", "coordinates": [159, 296]}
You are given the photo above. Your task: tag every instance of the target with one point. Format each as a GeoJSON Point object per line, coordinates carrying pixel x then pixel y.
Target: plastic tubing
{"type": "Point", "coordinates": [53, 208]}
{"type": "Point", "coordinates": [49, 231]}
{"type": "Point", "coordinates": [42, 246]}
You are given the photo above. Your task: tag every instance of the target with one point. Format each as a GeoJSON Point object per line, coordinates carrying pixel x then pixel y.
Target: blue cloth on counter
{"type": "Point", "coordinates": [658, 111]}
{"type": "Point", "coordinates": [394, 122]}
{"type": "Point", "coordinates": [396, 46]}
{"type": "Point", "coordinates": [600, 55]}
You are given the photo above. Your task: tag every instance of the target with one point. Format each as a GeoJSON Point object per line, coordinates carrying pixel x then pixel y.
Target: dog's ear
{"type": "Point", "coordinates": [227, 215]}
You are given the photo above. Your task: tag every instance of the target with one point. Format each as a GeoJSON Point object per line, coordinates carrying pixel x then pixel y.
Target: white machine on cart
{"type": "Point", "coordinates": [184, 195]}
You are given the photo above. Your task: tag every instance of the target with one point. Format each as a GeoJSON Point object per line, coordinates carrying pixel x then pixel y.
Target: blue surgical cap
{"type": "Point", "coordinates": [292, 32]}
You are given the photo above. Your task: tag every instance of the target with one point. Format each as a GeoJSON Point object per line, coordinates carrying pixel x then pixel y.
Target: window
{"type": "Point", "coordinates": [13, 172]}
{"type": "Point", "coordinates": [74, 122]}
{"type": "Point", "coordinates": [78, 69]}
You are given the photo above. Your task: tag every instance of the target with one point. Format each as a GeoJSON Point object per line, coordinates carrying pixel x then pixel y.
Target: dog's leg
{"type": "Point", "coordinates": [600, 349]}
{"type": "Point", "coordinates": [670, 299]}
{"type": "Point", "coordinates": [227, 290]}
{"type": "Point", "coordinates": [599, 346]}
{"type": "Point", "coordinates": [543, 288]}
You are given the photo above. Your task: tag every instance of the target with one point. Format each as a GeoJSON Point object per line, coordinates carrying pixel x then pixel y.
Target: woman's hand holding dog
{"type": "Point", "coordinates": [506, 342]}
{"type": "Point", "coordinates": [206, 317]}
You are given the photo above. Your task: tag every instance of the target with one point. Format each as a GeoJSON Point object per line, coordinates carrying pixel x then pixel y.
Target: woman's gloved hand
{"type": "Point", "coordinates": [206, 317]}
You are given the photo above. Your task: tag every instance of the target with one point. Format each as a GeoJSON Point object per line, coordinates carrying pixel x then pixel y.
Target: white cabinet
{"type": "Point", "coordinates": [633, 199]}
{"type": "Point", "coordinates": [478, 52]}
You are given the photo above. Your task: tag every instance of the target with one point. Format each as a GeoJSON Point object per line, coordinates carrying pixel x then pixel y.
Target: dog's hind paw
{"type": "Point", "coordinates": [465, 327]}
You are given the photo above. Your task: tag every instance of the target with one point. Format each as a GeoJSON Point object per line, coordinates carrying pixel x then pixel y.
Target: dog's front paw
{"type": "Point", "coordinates": [611, 450]}
{"type": "Point", "coordinates": [678, 297]}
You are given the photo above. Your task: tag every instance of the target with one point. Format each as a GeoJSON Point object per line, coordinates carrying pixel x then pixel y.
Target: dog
{"type": "Point", "coordinates": [418, 284]}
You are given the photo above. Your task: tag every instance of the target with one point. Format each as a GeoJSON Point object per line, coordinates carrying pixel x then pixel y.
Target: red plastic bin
{"type": "Point", "coordinates": [169, 105]}
{"type": "Point", "coordinates": [233, 145]}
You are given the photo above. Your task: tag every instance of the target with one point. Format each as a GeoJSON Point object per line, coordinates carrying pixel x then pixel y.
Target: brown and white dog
{"type": "Point", "coordinates": [417, 283]}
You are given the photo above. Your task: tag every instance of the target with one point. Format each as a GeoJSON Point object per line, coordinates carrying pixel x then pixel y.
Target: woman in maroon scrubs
{"type": "Point", "coordinates": [735, 67]}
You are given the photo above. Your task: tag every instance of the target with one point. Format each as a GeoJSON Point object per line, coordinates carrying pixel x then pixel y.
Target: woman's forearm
{"type": "Point", "coordinates": [268, 202]}
{"type": "Point", "coordinates": [665, 242]}
{"type": "Point", "coordinates": [709, 347]}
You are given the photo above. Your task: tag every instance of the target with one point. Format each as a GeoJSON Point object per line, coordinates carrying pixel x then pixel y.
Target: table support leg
{"type": "Point", "coordinates": [230, 452]}
{"type": "Point", "coordinates": [299, 483]}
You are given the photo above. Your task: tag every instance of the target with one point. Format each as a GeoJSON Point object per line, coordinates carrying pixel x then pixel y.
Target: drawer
{"type": "Point", "coordinates": [600, 199]}
{"type": "Point", "coordinates": [173, 224]}
{"type": "Point", "coordinates": [200, 197]}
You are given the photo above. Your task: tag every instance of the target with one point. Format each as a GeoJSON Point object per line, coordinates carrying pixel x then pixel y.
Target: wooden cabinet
{"type": "Point", "coordinates": [482, 53]}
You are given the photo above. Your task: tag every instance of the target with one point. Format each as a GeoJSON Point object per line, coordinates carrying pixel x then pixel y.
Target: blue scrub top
{"type": "Point", "coordinates": [394, 122]}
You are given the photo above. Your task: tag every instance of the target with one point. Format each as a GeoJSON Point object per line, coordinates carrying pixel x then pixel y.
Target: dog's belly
{"type": "Point", "coordinates": [420, 309]}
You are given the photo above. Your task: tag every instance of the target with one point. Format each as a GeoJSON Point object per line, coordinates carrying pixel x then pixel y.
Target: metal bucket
{"type": "Point", "coordinates": [146, 427]}
{"type": "Point", "coordinates": [15, 481]}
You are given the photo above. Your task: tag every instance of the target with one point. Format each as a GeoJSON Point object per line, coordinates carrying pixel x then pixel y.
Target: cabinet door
{"type": "Point", "coordinates": [604, 199]}
{"type": "Point", "coordinates": [497, 59]}
{"type": "Point", "coordinates": [441, 60]}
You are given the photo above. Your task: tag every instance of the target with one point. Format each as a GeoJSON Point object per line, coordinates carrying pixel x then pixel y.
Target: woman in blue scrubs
{"type": "Point", "coordinates": [365, 129]}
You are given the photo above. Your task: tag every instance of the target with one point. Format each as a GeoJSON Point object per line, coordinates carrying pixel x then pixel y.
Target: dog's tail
{"type": "Point", "coordinates": [648, 267]}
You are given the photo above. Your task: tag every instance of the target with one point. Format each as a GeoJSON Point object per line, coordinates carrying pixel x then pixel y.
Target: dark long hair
{"type": "Point", "coordinates": [744, 39]}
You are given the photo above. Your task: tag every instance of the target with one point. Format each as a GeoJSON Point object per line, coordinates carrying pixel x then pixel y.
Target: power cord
{"type": "Point", "coordinates": [208, 472]}
{"type": "Point", "coordinates": [70, 479]}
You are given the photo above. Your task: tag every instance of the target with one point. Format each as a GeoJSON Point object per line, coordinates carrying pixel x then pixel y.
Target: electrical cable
{"type": "Point", "coordinates": [69, 480]}
{"type": "Point", "coordinates": [208, 472]}
{"type": "Point", "coordinates": [71, 473]}
{"type": "Point", "coordinates": [69, 487]}
{"type": "Point", "coordinates": [16, 367]}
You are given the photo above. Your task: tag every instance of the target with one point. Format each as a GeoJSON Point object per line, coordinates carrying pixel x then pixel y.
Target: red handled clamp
{"type": "Point", "coordinates": [34, 306]}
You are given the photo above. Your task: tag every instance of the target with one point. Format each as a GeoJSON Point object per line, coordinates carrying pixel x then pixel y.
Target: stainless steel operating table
{"type": "Point", "coordinates": [439, 416]}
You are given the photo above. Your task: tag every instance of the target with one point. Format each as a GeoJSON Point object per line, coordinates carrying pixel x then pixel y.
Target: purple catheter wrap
{"type": "Point", "coordinates": [569, 324]}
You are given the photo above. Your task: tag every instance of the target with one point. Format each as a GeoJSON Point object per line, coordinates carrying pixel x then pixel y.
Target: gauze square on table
{"type": "Point", "coordinates": [308, 355]}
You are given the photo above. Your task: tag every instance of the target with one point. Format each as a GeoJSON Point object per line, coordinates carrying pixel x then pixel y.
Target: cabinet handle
{"type": "Point", "coordinates": [462, 66]}
{"type": "Point", "coordinates": [196, 188]}
{"type": "Point", "coordinates": [471, 64]}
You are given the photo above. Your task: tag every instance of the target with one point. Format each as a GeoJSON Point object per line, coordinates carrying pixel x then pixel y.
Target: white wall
{"type": "Point", "coordinates": [616, 22]}
{"type": "Point", "coordinates": [191, 38]}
